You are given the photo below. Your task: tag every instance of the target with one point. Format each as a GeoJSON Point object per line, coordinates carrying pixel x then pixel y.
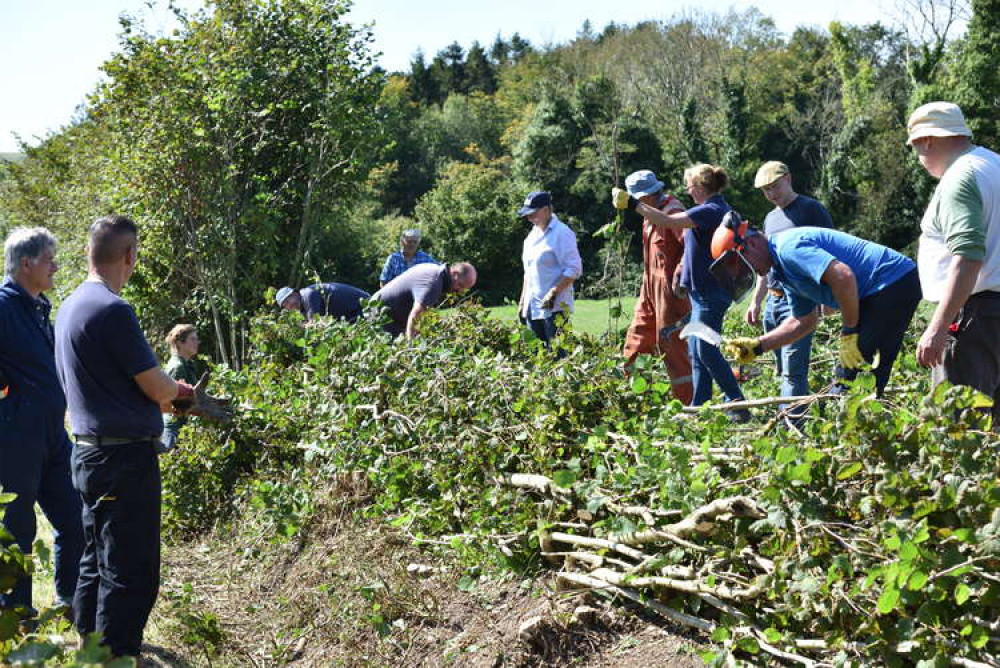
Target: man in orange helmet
{"type": "Point", "coordinates": [659, 310]}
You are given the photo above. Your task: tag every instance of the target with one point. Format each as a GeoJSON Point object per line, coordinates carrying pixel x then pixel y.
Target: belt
{"type": "Point", "coordinates": [98, 441]}
{"type": "Point", "coordinates": [775, 292]}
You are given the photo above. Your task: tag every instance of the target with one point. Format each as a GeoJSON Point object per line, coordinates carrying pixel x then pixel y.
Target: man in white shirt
{"type": "Point", "coordinates": [959, 254]}
{"type": "Point", "coordinates": [551, 265]}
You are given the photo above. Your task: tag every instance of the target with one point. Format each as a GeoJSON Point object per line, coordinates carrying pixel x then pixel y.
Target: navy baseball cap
{"type": "Point", "coordinates": [535, 201]}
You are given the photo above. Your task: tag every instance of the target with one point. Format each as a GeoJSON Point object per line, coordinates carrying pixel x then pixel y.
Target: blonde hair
{"type": "Point", "coordinates": [713, 179]}
{"type": "Point", "coordinates": [179, 334]}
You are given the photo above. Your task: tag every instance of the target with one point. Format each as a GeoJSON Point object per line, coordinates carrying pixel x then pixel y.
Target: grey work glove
{"type": "Point", "coordinates": [199, 402]}
{"type": "Point", "coordinates": [549, 300]}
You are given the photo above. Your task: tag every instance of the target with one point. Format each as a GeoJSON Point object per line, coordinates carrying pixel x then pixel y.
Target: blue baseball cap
{"type": "Point", "coordinates": [283, 294]}
{"type": "Point", "coordinates": [642, 183]}
{"type": "Point", "coordinates": [535, 201]}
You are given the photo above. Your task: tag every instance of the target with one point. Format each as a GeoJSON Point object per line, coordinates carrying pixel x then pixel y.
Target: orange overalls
{"type": "Point", "coordinates": [658, 309]}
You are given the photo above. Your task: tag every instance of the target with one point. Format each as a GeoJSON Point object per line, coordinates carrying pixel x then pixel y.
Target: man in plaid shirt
{"type": "Point", "coordinates": [407, 256]}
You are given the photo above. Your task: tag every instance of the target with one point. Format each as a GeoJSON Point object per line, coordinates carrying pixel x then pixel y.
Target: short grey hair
{"type": "Point", "coordinates": [25, 242]}
{"type": "Point", "coordinates": [412, 233]}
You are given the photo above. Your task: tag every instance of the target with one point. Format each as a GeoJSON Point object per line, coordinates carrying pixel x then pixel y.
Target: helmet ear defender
{"type": "Point", "coordinates": [730, 234]}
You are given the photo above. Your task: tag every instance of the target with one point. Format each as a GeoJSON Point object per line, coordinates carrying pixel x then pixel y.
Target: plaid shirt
{"type": "Point", "coordinates": [396, 264]}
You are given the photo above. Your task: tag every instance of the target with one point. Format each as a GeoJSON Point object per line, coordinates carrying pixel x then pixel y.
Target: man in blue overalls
{"type": "Point", "coordinates": [34, 449]}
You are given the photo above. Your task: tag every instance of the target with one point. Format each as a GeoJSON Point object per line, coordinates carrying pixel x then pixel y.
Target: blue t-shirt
{"type": "Point", "coordinates": [801, 212]}
{"type": "Point", "coordinates": [28, 361]}
{"type": "Point", "coordinates": [802, 255]}
{"type": "Point", "coordinates": [698, 244]}
{"type": "Point", "coordinates": [334, 299]}
{"type": "Point", "coordinates": [99, 349]}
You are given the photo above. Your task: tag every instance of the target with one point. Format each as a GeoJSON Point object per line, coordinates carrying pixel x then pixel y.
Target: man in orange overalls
{"type": "Point", "coordinates": [658, 313]}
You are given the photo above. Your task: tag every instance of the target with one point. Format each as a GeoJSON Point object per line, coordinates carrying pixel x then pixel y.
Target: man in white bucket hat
{"type": "Point", "coordinates": [959, 255]}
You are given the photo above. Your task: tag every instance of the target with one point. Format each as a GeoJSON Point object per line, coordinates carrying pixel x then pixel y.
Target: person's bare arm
{"type": "Point", "coordinates": [844, 286]}
{"type": "Point", "coordinates": [672, 221]}
{"type": "Point", "coordinates": [962, 276]}
{"type": "Point", "coordinates": [158, 387]}
{"type": "Point", "coordinates": [789, 331]}
{"type": "Point", "coordinates": [753, 309]}
{"type": "Point", "coordinates": [411, 322]}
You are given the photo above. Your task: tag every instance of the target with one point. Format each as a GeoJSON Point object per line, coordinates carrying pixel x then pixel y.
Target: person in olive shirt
{"type": "Point", "coordinates": [183, 342]}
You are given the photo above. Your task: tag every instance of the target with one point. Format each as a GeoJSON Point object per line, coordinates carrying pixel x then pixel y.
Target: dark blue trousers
{"type": "Point", "coordinates": [120, 569]}
{"type": "Point", "coordinates": [885, 317]}
{"type": "Point", "coordinates": [35, 465]}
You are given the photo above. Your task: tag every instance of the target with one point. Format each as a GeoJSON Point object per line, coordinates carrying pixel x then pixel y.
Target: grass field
{"type": "Point", "coordinates": [590, 315]}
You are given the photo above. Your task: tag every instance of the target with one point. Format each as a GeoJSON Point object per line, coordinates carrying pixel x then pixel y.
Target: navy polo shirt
{"type": "Point", "coordinates": [26, 356]}
{"type": "Point", "coordinates": [334, 299]}
{"type": "Point", "coordinates": [698, 244]}
{"type": "Point", "coordinates": [423, 283]}
{"type": "Point", "coordinates": [99, 349]}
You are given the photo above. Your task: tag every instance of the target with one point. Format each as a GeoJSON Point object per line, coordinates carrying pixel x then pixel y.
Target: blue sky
{"type": "Point", "coordinates": [50, 50]}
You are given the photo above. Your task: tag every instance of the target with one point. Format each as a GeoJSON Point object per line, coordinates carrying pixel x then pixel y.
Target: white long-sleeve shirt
{"type": "Point", "coordinates": [548, 256]}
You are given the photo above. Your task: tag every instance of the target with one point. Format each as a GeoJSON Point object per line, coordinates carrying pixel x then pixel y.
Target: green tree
{"type": "Point", "coordinates": [237, 138]}
{"type": "Point", "coordinates": [470, 215]}
{"type": "Point", "coordinates": [976, 79]}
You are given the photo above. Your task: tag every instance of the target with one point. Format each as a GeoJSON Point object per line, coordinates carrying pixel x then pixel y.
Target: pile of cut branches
{"type": "Point", "coordinates": [874, 541]}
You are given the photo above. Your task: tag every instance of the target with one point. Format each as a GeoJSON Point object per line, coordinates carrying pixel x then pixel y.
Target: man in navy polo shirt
{"type": "Point", "coordinates": [116, 392]}
{"type": "Point", "coordinates": [338, 300]}
{"type": "Point", "coordinates": [34, 449]}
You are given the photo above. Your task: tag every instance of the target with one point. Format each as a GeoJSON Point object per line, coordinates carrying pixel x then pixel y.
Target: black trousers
{"type": "Point", "coordinates": [885, 317]}
{"type": "Point", "coordinates": [120, 569]}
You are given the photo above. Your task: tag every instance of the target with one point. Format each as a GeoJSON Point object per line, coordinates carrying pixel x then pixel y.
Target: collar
{"type": "Point", "coordinates": [15, 287]}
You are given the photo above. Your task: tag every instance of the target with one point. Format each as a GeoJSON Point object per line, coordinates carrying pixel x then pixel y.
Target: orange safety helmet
{"type": "Point", "coordinates": [731, 234]}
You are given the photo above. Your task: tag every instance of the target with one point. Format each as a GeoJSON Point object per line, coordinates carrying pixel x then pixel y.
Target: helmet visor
{"type": "Point", "coordinates": [734, 274]}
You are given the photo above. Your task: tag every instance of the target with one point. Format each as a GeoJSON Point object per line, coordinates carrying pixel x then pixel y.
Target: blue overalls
{"type": "Point", "coordinates": [34, 448]}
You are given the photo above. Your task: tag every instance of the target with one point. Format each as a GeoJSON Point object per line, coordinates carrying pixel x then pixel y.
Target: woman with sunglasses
{"type": "Point", "coordinates": [709, 300]}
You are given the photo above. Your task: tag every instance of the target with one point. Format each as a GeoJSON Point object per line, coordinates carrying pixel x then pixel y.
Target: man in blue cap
{"type": "Point", "coordinates": [660, 308]}
{"type": "Point", "coordinates": [551, 265]}
{"type": "Point", "coordinates": [34, 449]}
{"type": "Point", "coordinates": [875, 288]}
{"type": "Point", "coordinates": [333, 299]}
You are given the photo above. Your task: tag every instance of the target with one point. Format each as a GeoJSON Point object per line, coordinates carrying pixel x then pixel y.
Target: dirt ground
{"type": "Point", "coordinates": [357, 594]}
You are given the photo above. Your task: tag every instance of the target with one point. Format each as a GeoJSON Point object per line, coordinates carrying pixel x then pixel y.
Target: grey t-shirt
{"type": "Point", "coordinates": [423, 283]}
{"type": "Point", "coordinates": [803, 211]}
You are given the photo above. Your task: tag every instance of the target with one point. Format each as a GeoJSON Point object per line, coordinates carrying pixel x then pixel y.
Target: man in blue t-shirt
{"type": "Point", "coordinates": [34, 449]}
{"type": "Point", "coordinates": [116, 392]}
{"type": "Point", "coordinates": [876, 289]}
{"type": "Point", "coordinates": [791, 210]}
{"type": "Point", "coordinates": [338, 300]}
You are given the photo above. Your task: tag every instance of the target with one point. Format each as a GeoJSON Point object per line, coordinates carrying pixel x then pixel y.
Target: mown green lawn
{"type": "Point", "coordinates": [590, 315]}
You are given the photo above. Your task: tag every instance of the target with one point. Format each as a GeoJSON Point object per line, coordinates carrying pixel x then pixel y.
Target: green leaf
{"type": "Point", "coordinates": [564, 478]}
{"type": "Point", "coordinates": [849, 470]}
{"type": "Point", "coordinates": [467, 583]}
{"type": "Point", "coordinates": [889, 599]}
{"type": "Point", "coordinates": [772, 635]}
{"type": "Point", "coordinates": [962, 593]}
{"type": "Point", "coordinates": [639, 384]}
{"type": "Point", "coordinates": [918, 579]}
{"type": "Point", "coordinates": [748, 644]}
{"type": "Point", "coordinates": [786, 455]}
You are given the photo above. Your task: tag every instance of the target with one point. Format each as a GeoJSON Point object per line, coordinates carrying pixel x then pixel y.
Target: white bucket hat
{"type": "Point", "coordinates": [936, 119]}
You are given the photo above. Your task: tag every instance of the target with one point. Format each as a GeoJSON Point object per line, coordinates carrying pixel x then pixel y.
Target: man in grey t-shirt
{"type": "Point", "coordinates": [419, 288]}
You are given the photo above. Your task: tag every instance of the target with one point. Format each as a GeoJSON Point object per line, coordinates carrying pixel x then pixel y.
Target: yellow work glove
{"type": "Point", "coordinates": [620, 199]}
{"type": "Point", "coordinates": [744, 349]}
{"type": "Point", "coordinates": [850, 356]}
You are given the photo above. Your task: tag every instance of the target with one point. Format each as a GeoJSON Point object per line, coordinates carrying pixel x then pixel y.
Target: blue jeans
{"type": "Point", "coordinates": [35, 464]}
{"type": "Point", "coordinates": [707, 362]}
{"type": "Point", "coordinates": [120, 568]}
{"type": "Point", "coordinates": [793, 359]}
